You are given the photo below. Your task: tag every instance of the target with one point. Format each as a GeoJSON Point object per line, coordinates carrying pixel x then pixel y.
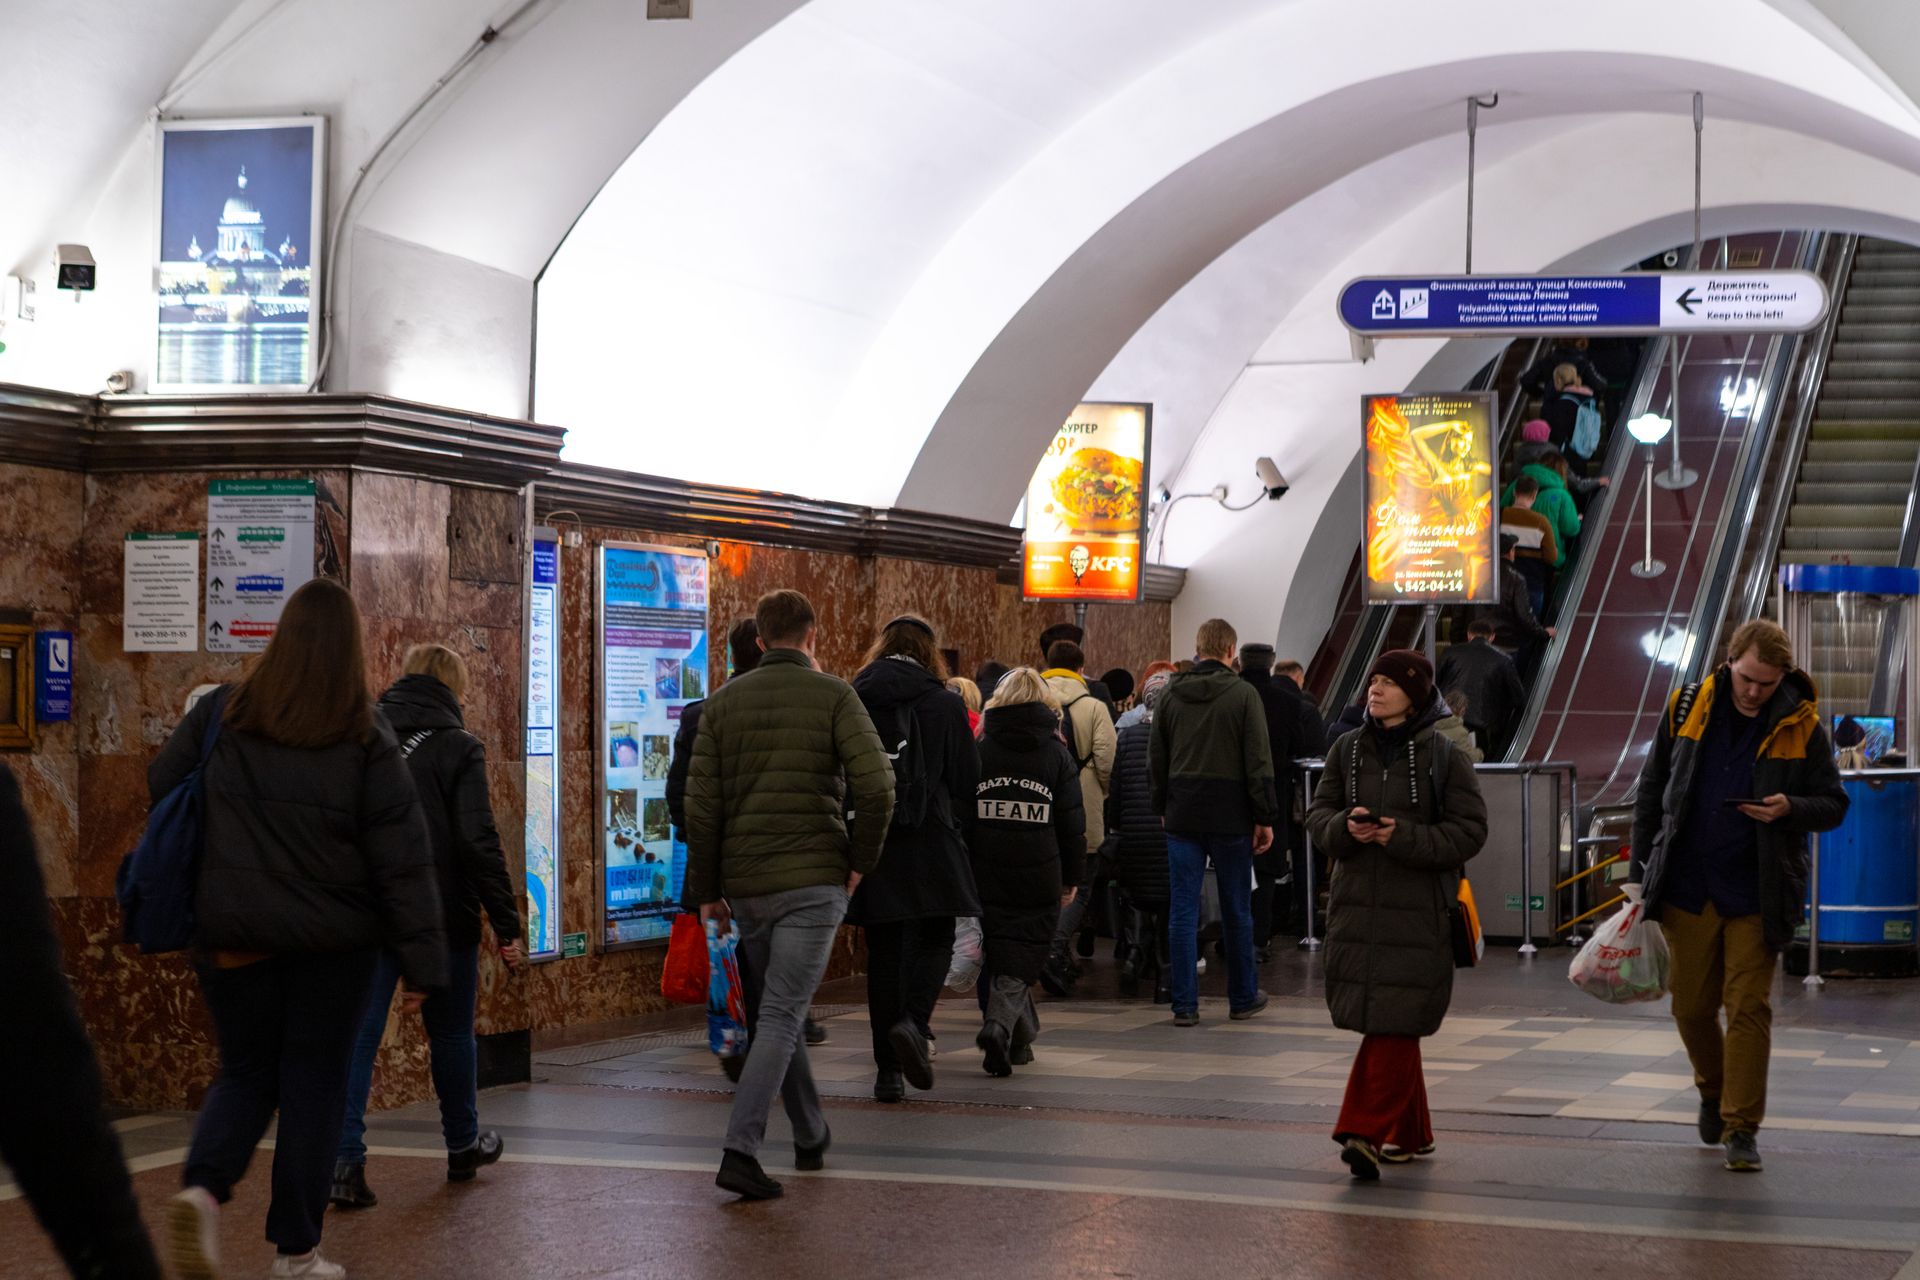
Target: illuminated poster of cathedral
{"type": "Point", "coordinates": [238, 269]}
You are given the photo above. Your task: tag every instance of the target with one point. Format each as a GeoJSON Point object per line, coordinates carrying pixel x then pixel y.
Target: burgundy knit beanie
{"type": "Point", "coordinates": [1411, 671]}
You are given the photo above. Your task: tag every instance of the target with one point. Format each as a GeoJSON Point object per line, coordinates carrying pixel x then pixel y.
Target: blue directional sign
{"type": "Point", "coordinates": [1640, 303]}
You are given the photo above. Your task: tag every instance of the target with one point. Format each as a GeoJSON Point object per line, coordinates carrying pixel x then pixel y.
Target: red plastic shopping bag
{"type": "Point", "coordinates": [684, 979]}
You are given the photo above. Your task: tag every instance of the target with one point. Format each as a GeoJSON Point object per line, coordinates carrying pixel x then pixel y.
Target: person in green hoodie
{"type": "Point", "coordinates": [1212, 771]}
{"type": "Point", "coordinates": [782, 754]}
{"type": "Point", "coordinates": [1555, 501]}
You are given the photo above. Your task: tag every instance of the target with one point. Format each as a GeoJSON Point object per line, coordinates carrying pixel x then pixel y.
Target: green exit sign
{"type": "Point", "coordinates": [1539, 901]}
{"type": "Point", "coordinates": [573, 944]}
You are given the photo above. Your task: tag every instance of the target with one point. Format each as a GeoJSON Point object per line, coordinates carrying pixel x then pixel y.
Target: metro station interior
{"type": "Point", "coordinates": [564, 333]}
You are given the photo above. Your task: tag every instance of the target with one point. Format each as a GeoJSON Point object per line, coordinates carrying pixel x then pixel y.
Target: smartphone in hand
{"type": "Point", "coordinates": [1735, 804]}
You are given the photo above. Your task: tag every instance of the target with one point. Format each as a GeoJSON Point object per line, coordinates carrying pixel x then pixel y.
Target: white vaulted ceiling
{"type": "Point", "coordinates": [876, 249]}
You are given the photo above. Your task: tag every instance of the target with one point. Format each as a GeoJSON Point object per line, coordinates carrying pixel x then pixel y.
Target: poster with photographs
{"type": "Point", "coordinates": [653, 662]}
{"type": "Point", "coordinates": [237, 263]}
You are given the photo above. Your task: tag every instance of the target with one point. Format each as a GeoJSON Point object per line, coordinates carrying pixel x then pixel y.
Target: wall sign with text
{"type": "Point", "coordinates": [1430, 498]}
{"type": "Point", "coordinates": [543, 753]}
{"type": "Point", "coordinates": [653, 662]}
{"type": "Point", "coordinates": [1087, 508]}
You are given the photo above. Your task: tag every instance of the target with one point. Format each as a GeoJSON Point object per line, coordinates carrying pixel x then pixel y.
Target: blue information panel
{"type": "Point", "coordinates": [653, 662]}
{"type": "Point", "coordinates": [53, 676]}
{"type": "Point", "coordinates": [543, 757]}
{"type": "Point", "coordinates": [1645, 302]}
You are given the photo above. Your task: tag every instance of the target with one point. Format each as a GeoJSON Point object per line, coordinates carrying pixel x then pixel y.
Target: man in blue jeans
{"type": "Point", "coordinates": [1213, 786]}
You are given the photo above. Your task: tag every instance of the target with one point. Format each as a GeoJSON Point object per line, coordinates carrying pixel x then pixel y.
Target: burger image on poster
{"type": "Point", "coordinates": [1098, 491]}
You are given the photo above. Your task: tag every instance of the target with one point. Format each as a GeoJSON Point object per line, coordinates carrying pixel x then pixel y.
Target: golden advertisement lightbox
{"type": "Point", "coordinates": [1087, 507]}
{"type": "Point", "coordinates": [1431, 523]}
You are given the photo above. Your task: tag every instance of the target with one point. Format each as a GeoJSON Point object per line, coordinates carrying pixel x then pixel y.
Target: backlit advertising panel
{"type": "Point", "coordinates": [543, 750]}
{"type": "Point", "coordinates": [653, 662]}
{"type": "Point", "coordinates": [1431, 523]}
{"type": "Point", "coordinates": [1087, 508]}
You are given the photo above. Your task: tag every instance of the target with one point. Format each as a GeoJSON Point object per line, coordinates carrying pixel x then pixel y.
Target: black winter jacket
{"type": "Point", "coordinates": [925, 871]}
{"type": "Point", "coordinates": [1142, 837]}
{"type": "Point", "coordinates": [1029, 835]}
{"type": "Point", "coordinates": [449, 767]}
{"type": "Point", "coordinates": [683, 739]}
{"type": "Point", "coordinates": [1513, 617]}
{"type": "Point", "coordinates": [1294, 729]}
{"type": "Point", "coordinates": [1795, 760]}
{"type": "Point", "coordinates": [1389, 932]}
{"type": "Point", "coordinates": [310, 850]}
{"type": "Point", "coordinates": [1495, 696]}
{"type": "Point", "coordinates": [54, 1133]}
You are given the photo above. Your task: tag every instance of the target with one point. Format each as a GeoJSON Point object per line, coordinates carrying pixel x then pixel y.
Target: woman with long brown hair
{"type": "Point", "coordinates": [925, 877]}
{"type": "Point", "coordinates": [316, 857]}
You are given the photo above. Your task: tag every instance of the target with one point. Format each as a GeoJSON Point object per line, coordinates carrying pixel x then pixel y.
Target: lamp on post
{"type": "Point", "coordinates": [1649, 429]}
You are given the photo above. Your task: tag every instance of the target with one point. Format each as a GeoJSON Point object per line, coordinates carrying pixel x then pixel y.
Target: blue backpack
{"type": "Point", "coordinates": [1587, 425]}
{"type": "Point", "coordinates": [156, 882]}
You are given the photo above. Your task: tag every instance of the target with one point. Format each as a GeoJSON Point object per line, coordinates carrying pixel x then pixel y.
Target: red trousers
{"type": "Point", "coordinates": [1386, 1102]}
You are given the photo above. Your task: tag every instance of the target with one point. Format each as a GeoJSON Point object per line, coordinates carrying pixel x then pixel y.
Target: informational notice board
{"type": "Point", "coordinates": [259, 552]}
{"type": "Point", "coordinates": [160, 582]}
{"type": "Point", "coordinates": [653, 662]}
{"type": "Point", "coordinates": [543, 757]}
{"type": "Point", "coordinates": [1431, 482]}
{"type": "Point", "coordinates": [1087, 509]}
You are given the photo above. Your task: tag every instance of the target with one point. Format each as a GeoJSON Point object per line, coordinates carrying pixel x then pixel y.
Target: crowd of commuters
{"type": "Point", "coordinates": [350, 848]}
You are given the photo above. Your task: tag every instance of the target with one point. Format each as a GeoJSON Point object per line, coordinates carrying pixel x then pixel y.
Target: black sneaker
{"type": "Point", "coordinates": [993, 1042]}
{"type": "Point", "coordinates": [1361, 1159]}
{"type": "Point", "coordinates": [1743, 1153]}
{"type": "Point", "coordinates": [1253, 1010]}
{"type": "Point", "coordinates": [1713, 1130]}
{"type": "Point", "coordinates": [1189, 1019]}
{"type": "Point", "coordinates": [816, 1034]}
{"type": "Point", "coordinates": [743, 1176]}
{"type": "Point", "coordinates": [462, 1165]}
{"type": "Point", "coordinates": [1021, 1055]}
{"type": "Point", "coordinates": [888, 1086]}
{"type": "Point", "coordinates": [910, 1048]}
{"type": "Point", "coordinates": [812, 1159]}
{"type": "Point", "coordinates": [1056, 978]}
{"type": "Point", "coordinates": [350, 1189]}
{"type": "Point", "coordinates": [732, 1067]}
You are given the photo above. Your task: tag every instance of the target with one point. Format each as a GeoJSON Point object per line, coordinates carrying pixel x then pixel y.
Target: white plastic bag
{"type": "Point", "coordinates": [969, 953]}
{"type": "Point", "coordinates": [1626, 960]}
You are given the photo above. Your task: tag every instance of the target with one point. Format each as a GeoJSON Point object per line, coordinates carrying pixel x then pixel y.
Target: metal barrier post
{"type": "Point", "coordinates": [1311, 940]}
{"type": "Point", "coordinates": [1813, 978]}
{"type": "Point", "coordinates": [1526, 861]}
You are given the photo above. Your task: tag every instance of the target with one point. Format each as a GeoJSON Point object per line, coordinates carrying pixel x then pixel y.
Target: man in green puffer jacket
{"type": "Point", "coordinates": [780, 753]}
{"type": "Point", "coordinates": [1555, 503]}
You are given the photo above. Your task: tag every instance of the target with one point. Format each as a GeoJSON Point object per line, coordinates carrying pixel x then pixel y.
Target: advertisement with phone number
{"type": "Point", "coordinates": [1086, 508]}
{"type": "Point", "coordinates": [1430, 488]}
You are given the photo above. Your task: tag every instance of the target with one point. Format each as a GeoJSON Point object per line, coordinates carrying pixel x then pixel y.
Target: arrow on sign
{"type": "Point", "coordinates": [218, 585]}
{"type": "Point", "coordinates": [215, 628]}
{"type": "Point", "coordinates": [1687, 300]}
{"type": "Point", "coordinates": [219, 535]}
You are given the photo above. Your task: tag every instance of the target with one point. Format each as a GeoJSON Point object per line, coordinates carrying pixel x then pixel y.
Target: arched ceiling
{"type": "Point", "coordinates": [876, 249]}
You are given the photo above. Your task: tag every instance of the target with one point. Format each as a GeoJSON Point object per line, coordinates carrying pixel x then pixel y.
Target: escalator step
{"type": "Point", "coordinates": [1851, 494]}
{"type": "Point", "coordinates": [1801, 555]}
{"type": "Point", "coordinates": [1881, 452]}
{"type": "Point", "coordinates": [1839, 538]}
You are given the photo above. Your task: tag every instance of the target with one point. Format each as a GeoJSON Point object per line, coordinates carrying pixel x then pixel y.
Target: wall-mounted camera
{"type": "Point", "coordinates": [119, 381]}
{"type": "Point", "coordinates": [74, 266]}
{"type": "Point", "coordinates": [1670, 259]}
{"type": "Point", "coordinates": [713, 549]}
{"type": "Point", "coordinates": [1276, 484]}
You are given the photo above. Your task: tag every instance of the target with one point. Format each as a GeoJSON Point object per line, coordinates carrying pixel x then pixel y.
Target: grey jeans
{"type": "Point", "coordinates": [785, 939]}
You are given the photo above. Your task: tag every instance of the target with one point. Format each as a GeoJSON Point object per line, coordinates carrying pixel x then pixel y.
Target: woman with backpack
{"type": "Point", "coordinates": [449, 768]}
{"type": "Point", "coordinates": [924, 879]}
{"type": "Point", "coordinates": [1029, 839]}
{"type": "Point", "coordinates": [1572, 413]}
{"type": "Point", "coordinates": [316, 858]}
{"type": "Point", "coordinates": [1398, 813]}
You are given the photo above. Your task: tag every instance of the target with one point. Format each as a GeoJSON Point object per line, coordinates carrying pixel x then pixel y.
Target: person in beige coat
{"type": "Point", "coordinates": [1093, 742]}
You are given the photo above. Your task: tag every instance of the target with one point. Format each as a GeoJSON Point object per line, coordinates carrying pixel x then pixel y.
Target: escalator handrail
{"type": "Point", "coordinates": [1735, 531]}
{"type": "Point", "coordinates": [1377, 620]}
{"type": "Point", "coordinates": [1619, 455]}
{"type": "Point", "coordinates": [1751, 598]}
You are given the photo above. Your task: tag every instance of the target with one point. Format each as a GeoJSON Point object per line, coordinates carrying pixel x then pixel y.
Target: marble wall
{"type": "Point", "coordinates": [427, 561]}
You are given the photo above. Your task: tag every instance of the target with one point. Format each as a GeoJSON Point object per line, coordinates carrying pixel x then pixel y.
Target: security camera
{"type": "Point", "coordinates": [713, 549]}
{"type": "Point", "coordinates": [1670, 259]}
{"type": "Point", "coordinates": [74, 263]}
{"type": "Point", "coordinates": [118, 381]}
{"type": "Point", "coordinates": [1276, 484]}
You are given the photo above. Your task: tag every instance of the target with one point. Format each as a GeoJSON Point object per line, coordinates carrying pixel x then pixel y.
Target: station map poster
{"type": "Point", "coordinates": [259, 552]}
{"type": "Point", "coordinates": [1087, 509]}
{"type": "Point", "coordinates": [543, 758]}
{"type": "Point", "coordinates": [237, 264]}
{"type": "Point", "coordinates": [1431, 524]}
{"type": "Point", "coordinates": [653, 662]}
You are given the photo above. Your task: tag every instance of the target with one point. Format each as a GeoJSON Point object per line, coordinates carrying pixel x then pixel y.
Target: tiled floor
{"type": "Point", "coordinates": [1134, 1148]}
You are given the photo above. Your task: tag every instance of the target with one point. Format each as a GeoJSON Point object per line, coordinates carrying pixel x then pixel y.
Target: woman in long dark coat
{"type": "Point", "coordinates": [924, 879]}
{"type": "Point", "coordinates": [1398, 850]}
{"type": "Point", "coordinates": [1029, 846]}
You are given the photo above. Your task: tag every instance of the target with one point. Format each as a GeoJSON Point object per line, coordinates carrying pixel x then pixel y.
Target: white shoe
{"type": "Point", "coordinates": [1200, 965]}
{"type": "Point", "coordinates": [193, 1234]}
{"type": "Point", "coordinates": [308, 1267]}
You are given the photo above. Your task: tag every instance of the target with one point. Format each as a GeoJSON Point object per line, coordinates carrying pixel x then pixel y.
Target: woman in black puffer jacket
{"type": "Point", "coordinates": [1029, 847]}
{"type": "Point", "coordinates": [907, 906]}
{"type": "Point", "coordinates": [449, 769]}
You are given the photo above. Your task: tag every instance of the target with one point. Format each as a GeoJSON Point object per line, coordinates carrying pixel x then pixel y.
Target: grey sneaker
{"type": "Point", "coordinates": [1713, 1129]}
{"type": "Point", "coordinates": [1251, 1011]}
{"type": "Point", "coordinates": [307, 1266]}
{"type": "Point", "coordinates": [1743, 1153]}
{"type": "Point", "coordinates": [1186, 1019]}
{"type": "Point", "coordinates": [1361, 1160]}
